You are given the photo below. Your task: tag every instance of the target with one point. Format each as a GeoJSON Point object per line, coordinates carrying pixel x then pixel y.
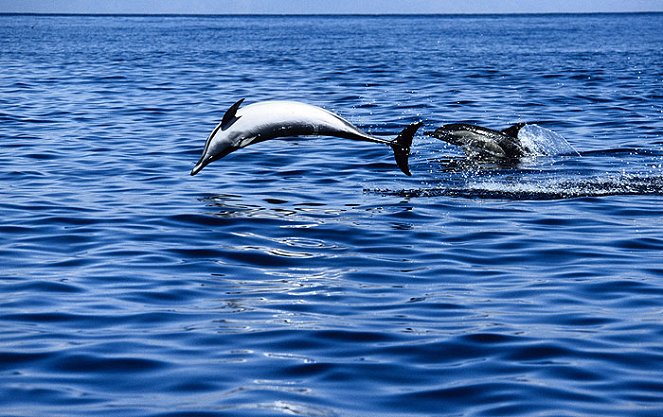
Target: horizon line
{"type": "Point", "coordinates": [129, 14]}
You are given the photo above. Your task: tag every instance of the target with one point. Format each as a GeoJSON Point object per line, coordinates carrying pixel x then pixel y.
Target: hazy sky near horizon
{"type": "Point", "coordinates": [325, 6]}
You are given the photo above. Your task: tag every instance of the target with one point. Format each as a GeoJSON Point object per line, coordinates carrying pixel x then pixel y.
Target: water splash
{"type": "Point", "coordinates": [541, 188]}
{"type": "Point", "coordinates": [553, 170]}
{"type": "Point", "coordinates": [544, 142]}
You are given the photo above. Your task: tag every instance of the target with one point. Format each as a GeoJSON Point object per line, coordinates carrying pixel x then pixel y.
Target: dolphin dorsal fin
{"type": "Point", "coordinates": [230, 113]}
{"type": "Point", "coordinates": [513, 130]}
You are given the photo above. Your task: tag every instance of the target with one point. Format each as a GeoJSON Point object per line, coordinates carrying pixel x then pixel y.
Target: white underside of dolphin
{"type": "Point", "coordinates": [267, 120]}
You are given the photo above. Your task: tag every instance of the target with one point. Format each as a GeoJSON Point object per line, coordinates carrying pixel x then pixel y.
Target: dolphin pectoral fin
{"type": "Point", "coordinates": [401, 146]}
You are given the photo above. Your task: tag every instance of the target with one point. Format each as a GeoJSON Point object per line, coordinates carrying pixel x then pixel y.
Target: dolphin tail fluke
{"type": "Point", "coordinates": [401, 146]}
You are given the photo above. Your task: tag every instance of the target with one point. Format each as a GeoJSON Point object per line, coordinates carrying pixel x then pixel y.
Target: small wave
{"type": "Point", "coordinates": [623, 152]}
{"type": "Point", "coordinates": [545, 189]}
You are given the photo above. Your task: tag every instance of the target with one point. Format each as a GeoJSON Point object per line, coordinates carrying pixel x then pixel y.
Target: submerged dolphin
{"type": "Point", "coordinates": [481, 142]}
{"type": "Point", "coordinates": [266, 120]}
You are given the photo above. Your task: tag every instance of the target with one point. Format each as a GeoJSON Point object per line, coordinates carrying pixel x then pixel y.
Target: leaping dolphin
{"type": "Point", "coordinates": [258, 122]}
{"type": "Point", "coordinates": [480, 142]}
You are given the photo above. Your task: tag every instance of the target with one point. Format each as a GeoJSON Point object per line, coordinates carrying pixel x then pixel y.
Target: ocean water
{"type": "Point", "coordinates": [310, 276]}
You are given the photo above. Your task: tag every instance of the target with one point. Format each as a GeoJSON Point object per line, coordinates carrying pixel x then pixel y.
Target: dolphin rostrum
{"type": "Point", "coordinates": [258, 122]}
{"type": "Point", "coordinates": [481, 142]}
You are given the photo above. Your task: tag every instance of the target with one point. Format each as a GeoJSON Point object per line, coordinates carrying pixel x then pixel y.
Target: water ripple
{"type": "Point", "coordinates": [309, 276]}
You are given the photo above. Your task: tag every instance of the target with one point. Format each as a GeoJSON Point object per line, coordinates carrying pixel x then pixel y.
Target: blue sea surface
{"type": "Point", "coordinates": [309, 276]}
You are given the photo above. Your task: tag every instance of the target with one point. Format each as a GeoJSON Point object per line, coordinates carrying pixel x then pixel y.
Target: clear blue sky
{"type": "Point", "coordinates": [326, 6]}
